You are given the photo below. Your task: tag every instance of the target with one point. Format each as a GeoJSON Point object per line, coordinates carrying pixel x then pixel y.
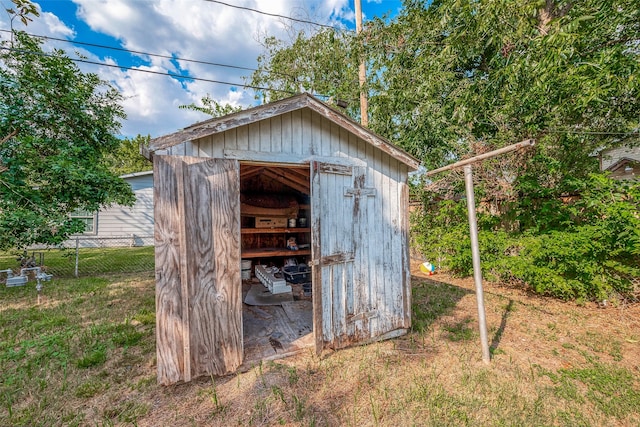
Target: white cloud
{"type": "Point", "coordinates": [191, 29]}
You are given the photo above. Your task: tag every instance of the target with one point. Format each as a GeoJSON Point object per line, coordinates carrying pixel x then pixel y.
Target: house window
{"type": "Point", "coordinates": [88, 218]}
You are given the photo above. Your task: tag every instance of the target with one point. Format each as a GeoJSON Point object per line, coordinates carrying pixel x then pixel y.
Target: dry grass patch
{"type": "Point", "coordinates": [87, 357]}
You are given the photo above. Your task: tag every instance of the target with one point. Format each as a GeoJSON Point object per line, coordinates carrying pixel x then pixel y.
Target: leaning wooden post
{"type": "Point", "coordinates": [475, 257]}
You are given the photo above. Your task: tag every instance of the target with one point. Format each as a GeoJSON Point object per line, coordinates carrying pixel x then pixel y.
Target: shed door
{"type": "Point", "coordinates": [198, 292]}
{"type": "Point", "coordinates": [342, 295]}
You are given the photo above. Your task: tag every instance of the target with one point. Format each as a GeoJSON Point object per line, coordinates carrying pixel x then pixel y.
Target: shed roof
{"type": "Point", "coordinates": [266, 111]}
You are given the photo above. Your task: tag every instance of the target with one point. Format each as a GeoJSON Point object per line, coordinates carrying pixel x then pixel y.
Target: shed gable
{"type": "Point", "coordinates": [279, 127]}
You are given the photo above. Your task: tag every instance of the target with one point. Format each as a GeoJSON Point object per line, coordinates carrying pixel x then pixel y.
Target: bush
{"type": "Point", "coordinates": [594, 255]}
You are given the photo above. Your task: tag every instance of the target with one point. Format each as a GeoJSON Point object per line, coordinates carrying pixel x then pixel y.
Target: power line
{"type": "Point", "coordinates": [178, 76]}
{"type": "Point", "coordinates": [586, 132]}
{"type": "Point", "coordinates": [158, 55]}
{"type": "Point", "coordinates": [304, 21]}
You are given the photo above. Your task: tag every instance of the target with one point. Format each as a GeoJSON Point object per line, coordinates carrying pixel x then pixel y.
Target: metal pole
{"type": "Point", "coordinates": [475, 256]}
{"type": "Point", "coordinates": [525, 143]}
{"type": "Point", "coordinates": [77, 256]}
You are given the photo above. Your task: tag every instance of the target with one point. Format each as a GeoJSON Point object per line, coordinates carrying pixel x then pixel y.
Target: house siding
{"type": "Point", "coordinates": [611, 156]}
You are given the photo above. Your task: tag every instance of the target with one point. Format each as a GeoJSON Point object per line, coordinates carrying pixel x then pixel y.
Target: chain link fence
{"type": "Point", "coordinates": [86, 256]}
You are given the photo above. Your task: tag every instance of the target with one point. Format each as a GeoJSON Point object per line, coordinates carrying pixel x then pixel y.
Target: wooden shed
{"type": "Point", "coordinates": [230, 192]}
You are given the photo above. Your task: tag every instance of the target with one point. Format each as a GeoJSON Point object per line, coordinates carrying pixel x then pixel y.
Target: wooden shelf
{"type": "Point", "coordinates": [274, 230]}
{"type": "Point", "coordinates": [273, 252]}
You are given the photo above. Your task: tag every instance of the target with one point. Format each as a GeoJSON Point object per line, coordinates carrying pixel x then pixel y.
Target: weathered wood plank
{"type": "Point", "coordinates": [406, 261]}
{"type": "Point", "coordinates": [254, 137]}
{"type": "Point", "coordinates": [212, 189]}
{"type": "Point", "coordinates": [306, 134]}
{"type": "Point", "coordinates": [242, 136]}
{"type": "Point", "coordinates": [169, 307]}
{"type": "Point", "coordinates": [297, 143]}
{"type": "Point", "coordinates": [276, 135]}
{"type": "Point", "coordinates": [287, 135]}
{"type": "Point", "coordinates": [265, 136]}
{"type": "Point", "coordinates": [316, 254]}
{"type": "Point", "coordinates": [375, 234]}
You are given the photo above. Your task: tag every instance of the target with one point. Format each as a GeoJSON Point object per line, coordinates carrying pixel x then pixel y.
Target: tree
{"type": "Point", "coordinates": [56, 126]}
{"type": "Point", "coordinates": [127, 158]}
{"type": "Point", "coordinates": [448, 79]}
{"type": "Point", "coordinates": [211, 107]}
{"type": "Point", "coordinates": [324, 64]}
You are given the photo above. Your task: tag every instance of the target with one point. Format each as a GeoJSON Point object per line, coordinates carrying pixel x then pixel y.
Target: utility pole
{"type": "Point", "coordinates": [473, 232]}
{"type": "Point", "coordinates": [362, 71]}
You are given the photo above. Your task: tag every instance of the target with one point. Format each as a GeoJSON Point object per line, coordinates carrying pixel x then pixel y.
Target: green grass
{"type": "Point", "coordinates": [91, 261]}
{"type": "Point", "coordinates": [73, 345]}
{"type": "Point", "coordinates": [432, 300]}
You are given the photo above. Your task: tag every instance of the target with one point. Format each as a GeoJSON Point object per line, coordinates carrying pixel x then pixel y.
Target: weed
{"type": "Point", "coordinates": [299, 408]}
{"type": "Point", "coordinates": [460, 331]}
{"type": "Point", "coordinates": [91, 388]}
{"type": "Point", "coordinates": [126, 335]}
{"type": "Point", "coordinates": [293, 375]}
{"type": "Point", "coordinates": [146, 316]}
{"type": "Point", "coordinates": [613, 390]}
{"type": "Point", "coordinates": [277, 392]}
{"type": "Point", "coordinates": [96, 356]}
{"type": "Point", "coordinates": [126, 412]}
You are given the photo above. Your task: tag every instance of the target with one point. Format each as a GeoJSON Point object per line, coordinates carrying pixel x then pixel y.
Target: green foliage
{"type": "Point", "coordinates": [593, 254]}
{"type": "Point", "coordinates": [56, 124]}
{"type": "Point", "coordinates": [126, 158]}
{"type": "Point", "coordinates": [212, 107]}
{"type": "Point", "coordinates": [324, 63]}
{"type": "Point", "coordinates": [23, 9]}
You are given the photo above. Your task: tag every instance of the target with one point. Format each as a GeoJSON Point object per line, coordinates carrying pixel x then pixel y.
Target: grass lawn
{"type": "Point", "coordinates": [86, 356]}
{"type": "Point", "coordinates": [91, 261]}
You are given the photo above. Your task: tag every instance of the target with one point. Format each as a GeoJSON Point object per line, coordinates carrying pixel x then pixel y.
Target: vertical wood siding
{"type": "Point", "coordinates": [380, 301]}
{"type": "Point", "coordinates": [198, 293]}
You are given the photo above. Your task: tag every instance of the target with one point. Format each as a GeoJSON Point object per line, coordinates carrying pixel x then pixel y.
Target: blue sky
{"type": "Point", "coordinates": [202, 30]}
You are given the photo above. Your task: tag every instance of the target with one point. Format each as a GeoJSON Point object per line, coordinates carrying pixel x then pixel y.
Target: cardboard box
{"type": "Point", "coordinates": [270, 222]}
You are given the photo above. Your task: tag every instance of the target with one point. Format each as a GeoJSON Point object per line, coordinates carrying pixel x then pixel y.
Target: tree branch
{"type": "Point", "coordinates": [8, 137]}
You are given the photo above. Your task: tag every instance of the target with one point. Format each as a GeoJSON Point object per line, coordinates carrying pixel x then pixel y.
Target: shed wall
{"type": "Point", "coordinates": [300, 135]}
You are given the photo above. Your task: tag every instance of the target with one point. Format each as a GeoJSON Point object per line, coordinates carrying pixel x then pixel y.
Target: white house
{"type": "Point", "coordinates": [131, 225]}
{"type": "Point", "coordinates": [622, 162]}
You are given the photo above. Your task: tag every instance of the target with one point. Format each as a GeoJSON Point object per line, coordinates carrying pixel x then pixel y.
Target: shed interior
{"type": "Point", "coordinates": [276, 255]}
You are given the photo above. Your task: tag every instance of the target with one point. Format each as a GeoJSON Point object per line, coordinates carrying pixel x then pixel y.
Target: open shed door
{"type": "Point", "coordinates": [197, 255]}
{"type": "Point", "coordinates": [341, 292]}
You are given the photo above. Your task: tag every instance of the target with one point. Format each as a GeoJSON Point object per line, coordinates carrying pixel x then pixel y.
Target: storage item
{"type": "Point", "coordinates": [302, 222]}
{"type": "Point", "coordinates": [306, 289]}
{"type": "Point", "coordinates": [291, 244]}
{"type": "Point", "coordinates": [297, 273]}
{"type": "Point", "coordinates": [245, 269]}
{"type": "Point", "coordinates": [293, 223]}
{"type": "Point", "coordinates": [270, 222]}
{"type": "Point", "coordinates": [267, 277]}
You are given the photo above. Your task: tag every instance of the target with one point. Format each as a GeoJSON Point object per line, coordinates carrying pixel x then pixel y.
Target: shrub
{"type": "Point", "coordinates": [593, 255]}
